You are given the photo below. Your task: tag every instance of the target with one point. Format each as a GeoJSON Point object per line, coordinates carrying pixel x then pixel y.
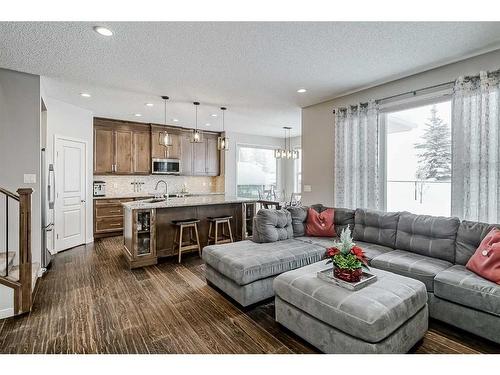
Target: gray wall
{"type": "Point", "coordinates": [20, 147]}
{"type": "Point", "coordinates": [318, 120]}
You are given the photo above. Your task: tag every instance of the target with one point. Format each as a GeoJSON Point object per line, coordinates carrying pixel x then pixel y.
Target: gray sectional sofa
{"type": "Point", "coordinates": [432, 250]}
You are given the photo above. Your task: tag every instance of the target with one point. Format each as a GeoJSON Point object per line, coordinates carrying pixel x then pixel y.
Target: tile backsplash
{"type": "Point", "coordinates": [122, 185]}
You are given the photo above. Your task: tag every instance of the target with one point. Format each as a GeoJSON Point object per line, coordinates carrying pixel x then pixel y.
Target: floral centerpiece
{"type": "Point", "coordinates": [347, 258]}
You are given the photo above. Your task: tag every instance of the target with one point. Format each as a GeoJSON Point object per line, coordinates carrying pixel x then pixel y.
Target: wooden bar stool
{"type": "Point", "coordinates": [225, 237]}
{"type": "Point", "coordinates": [193, 242]}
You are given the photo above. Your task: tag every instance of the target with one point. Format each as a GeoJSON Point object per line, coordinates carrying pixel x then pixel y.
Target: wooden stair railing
{"type": "Point", "coordinates": [22, 283]}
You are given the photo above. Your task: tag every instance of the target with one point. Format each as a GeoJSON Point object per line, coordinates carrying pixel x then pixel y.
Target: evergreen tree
{"type": "Point", "coordinates": [434, 157]}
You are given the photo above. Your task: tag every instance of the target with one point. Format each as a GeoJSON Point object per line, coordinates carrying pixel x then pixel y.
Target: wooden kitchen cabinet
{"type": "Point", "coordinates": [141, 153]}
{"type": "Point", "coordinates": [199, 155]}
{"type": "Point", "coordinates": [108, 217]}
{"type": "Point", "coordinates": [206, 160]}
{"type": "Point", "coordinates": [126, 148]}
{"type": "Point", "coordinates": [121, 147]}
{"type": "Point", "coordinates": [123, 151]}
{"type": "Point", "coordinates": [186, 154]}
{"type": "Point", "coordinates": [103, 151]}
{"type": "Point", "coordinates": [212, 159]}
{"type": "Point", "coordinates": [161, 152]}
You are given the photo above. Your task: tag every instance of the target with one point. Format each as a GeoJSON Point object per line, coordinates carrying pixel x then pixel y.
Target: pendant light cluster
{"type": "Point", "coordinates": [165, 139]}
{"type": "Point", "coordinates": [287, 152]}
{"type": "Point", "coordinates": [222, 141]}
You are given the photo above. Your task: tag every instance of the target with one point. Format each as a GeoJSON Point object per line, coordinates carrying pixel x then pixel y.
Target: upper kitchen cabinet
{"type": "Point", "coordinates": [161, 152]}
{"type": "Point", "coordinates": [121, 147]}
{"type": "Point", "coordinates": [186, 154]}
{"type": "Point", "coordinates": [206, 157]}
{"type": "Point", "coordinates": [141, 152]}
{"type": "Point", "coordinates": [103, 150]}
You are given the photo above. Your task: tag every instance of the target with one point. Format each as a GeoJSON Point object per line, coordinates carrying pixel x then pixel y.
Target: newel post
{"type": "Point", "coordinates": [25, 272]}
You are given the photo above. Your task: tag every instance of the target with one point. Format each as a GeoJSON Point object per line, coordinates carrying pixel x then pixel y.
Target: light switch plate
{"type": "Point", "coordinates": [307, 188]}
{"type": "Point", "coordinates": [29, 178]}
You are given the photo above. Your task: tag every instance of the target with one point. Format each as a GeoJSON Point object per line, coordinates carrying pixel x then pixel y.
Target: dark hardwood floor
{"type": "Point", "coordinates": [89, 302]}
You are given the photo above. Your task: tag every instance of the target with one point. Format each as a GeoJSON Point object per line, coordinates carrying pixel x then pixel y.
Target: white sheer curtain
{"type": "Point", "coordinates": [357, 183]}
{"type": "Point", "coordinates": [475, 148]}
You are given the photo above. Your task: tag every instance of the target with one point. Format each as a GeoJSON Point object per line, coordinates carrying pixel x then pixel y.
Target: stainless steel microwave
{"type": "Point", "coordinates": [166, 166]}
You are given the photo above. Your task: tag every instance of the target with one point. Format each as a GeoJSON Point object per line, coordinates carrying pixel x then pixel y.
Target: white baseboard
{"type": "Point", "coordinates": [90, 240]}
{"type": "Point", "coordinates": [6, 313]}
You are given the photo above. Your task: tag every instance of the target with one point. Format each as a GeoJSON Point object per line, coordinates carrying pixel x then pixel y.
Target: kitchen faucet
{"type": "Point", "coordinates": [166, 188]}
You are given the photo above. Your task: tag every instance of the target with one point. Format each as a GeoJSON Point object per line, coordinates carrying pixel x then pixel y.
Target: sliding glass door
{"type": "Point", "coordinates": [418, 159]}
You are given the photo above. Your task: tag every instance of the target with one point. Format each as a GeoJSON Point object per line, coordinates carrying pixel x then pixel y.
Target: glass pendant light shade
{"type": "Point", "coordinates": [165, 139]}
{"type": "Point", "coordinates": [223, 141]}
{"type": "Point", "coordinates": [196, 135]}
{"type": "Point", "coordinates": [295, 154]}
{"type": "Point", "coordinates": [277, 153]}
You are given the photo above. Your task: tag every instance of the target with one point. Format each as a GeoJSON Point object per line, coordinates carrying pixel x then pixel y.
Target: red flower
{"type": "Point", "coordinates": [359, 253]}
{"type": "Point", "coordinates": [332, 251]}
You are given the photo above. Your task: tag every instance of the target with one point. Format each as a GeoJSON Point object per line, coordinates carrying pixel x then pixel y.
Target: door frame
{"type": "Point", "coordinates": [57, 139]}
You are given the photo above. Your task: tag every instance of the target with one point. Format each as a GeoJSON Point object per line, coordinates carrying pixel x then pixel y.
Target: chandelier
{"type": "Point", "coordinates": [287, 152]}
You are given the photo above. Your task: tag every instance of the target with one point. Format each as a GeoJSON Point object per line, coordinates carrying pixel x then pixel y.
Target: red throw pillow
{"type": "Point", "coordinates": [320, 224]}
{"type": "Point", "coordinates": [486, 260]}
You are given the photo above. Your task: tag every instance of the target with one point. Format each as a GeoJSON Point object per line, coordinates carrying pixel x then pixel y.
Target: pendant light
{"type": "Point", "coordinates": [287, 152]}
{"type": "Point", "coordinates": [222, 141]}
{"type": "Point", "coordinates": [196, 135]}
{"type": "Point", "coordinates": [165, 139]}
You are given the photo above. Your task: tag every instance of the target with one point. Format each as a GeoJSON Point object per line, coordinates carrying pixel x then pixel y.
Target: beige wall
{"type": "Point", "coordinates": [318, 120]}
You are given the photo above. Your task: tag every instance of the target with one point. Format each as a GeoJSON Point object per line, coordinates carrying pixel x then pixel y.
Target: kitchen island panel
{"type": "Point", "coordinates": [165, 230]}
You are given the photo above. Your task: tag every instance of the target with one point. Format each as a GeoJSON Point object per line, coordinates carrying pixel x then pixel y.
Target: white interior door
{"type": "Point", "coordinates": [70, 202]}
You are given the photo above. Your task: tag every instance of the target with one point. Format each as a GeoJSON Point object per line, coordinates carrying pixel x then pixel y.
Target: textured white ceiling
{"type": "Point", "coordinates": [253, 68]}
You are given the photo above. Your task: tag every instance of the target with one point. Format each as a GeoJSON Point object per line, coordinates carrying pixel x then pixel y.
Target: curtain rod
{"type": "Point", "coordinates": [414, 92]}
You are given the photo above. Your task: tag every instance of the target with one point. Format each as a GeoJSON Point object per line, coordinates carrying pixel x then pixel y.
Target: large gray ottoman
{"type": "Point", "coordinates": [388, 316]}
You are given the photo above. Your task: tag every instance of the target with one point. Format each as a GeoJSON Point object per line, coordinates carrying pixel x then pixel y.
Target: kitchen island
{"type": "Point", "coordinates": [149, 232]}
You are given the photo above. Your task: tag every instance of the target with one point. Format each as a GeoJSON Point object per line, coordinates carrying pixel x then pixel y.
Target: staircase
{"type": "Point", "coordinates": [16, 269]}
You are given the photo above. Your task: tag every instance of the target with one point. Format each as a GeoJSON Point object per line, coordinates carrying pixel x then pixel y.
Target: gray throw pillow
{"type": "Point", "coordinates": [272, 225]}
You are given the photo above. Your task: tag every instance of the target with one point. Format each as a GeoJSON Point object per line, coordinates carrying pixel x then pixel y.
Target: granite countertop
{"type": "Point", "coordinates": [206, 200]}
{"type": "Point", "coordinates": [147, 195]}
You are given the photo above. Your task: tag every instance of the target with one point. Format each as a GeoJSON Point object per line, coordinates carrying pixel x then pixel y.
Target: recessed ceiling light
{"type": "Point", "coordinates": [85, 95]}
{"type": "Point", "coordinates": [207, 124]}
{"type": "Point", "coordinates": [214, 115]}
{"type": "Point", "coordinates": [137, 115]}
{"type": "Point", "coordinates": [149, 104]}
{"type": "Point", "coordinates": [103, 30]}
{"type": "Point", "coordinates": [175, 120]}
{"type": "Point", "coordinates": [301, 90]}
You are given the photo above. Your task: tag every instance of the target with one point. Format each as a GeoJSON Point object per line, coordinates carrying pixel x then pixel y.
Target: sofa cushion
{"type": "Point", "coordinates": [412, 265]}
{"type": "Point", "coordinates": [458, 284]}
{"type": "Point", "coordinates": [373, 250]}
{"type": "Point", "coordinates": [343, 217]}
{"type": "Point", "coordinates": [376, 227]}
{"type": "Point", "coordinates": [247, 261]}
{"type": "Point", "coordinates": [432, 236]}
{"type": "Point", "coordinates": [371, 313]}
{"type": "Point", "coordinates": [272, 225]}
{"type": "Point", "coordinates": [325, 242]}
{"type": "Point", "coordinates": [299, 216]}
{"type": "Point", "coordinates": [469, 236]}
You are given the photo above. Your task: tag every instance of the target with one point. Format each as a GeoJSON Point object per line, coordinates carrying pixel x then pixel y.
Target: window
{"type": "Point", "coordinates": [418, 159]}
{"type": "Point", "coordinates": [297, 173]}
{"type": "Point", "coordinates": [256, 172]}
